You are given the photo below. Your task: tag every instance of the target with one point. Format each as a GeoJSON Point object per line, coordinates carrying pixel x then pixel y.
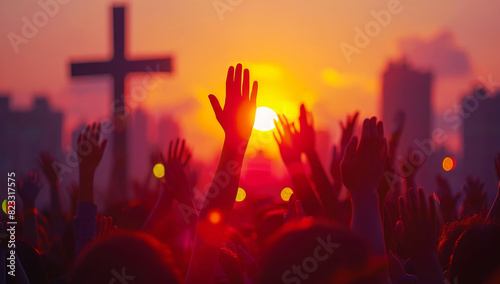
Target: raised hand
{"type": "Point", "coordinates": [288, 141]}
{"type": "Point", "coordinates": [90, 152]}
{"type": "Point", "coordinates": [176, 180]}
{"type": "Point", "coordinates": [29, 187]}
{"type": "Point", "coordinates": [51, 172]}
{"type": "Point", "coordinates": [238, 116]}
{"type": "Point", "coordinates": [362, 167]}
{"type": "Point", "coordinates": [306, 135]}
{"type": "Point", "coordinates": [348, 130]}
{"type": "Point", "coordinates": [338, 151]}
{"type": "Point", "coordinates": [447, 201]}
{"type": "Point", "coordinates": [475, 197]}
{"type": "Point", "coordinates": [419, 234]}
{"type": "Point", "coordinates": [105, 227]}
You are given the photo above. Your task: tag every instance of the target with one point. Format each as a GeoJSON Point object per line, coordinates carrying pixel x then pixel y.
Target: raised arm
{"type": "Point", "coordinates": [176, 186]}
{"type": "Point", "coordinates": [420, 235]}
{"type": "Point", "coordinates": [56, 213]}
{"type": "Point", "coordinates": [90, 152]}
{"type": "Point", "coordinates": [307, 145]}
{"type": "Point", "coordinates": [362, 169]}
{"type": "Point", "coordinates": [237, 120]}
{"type": "Point", "coordinates": [289, 145]}
{"type": "Point", "coordinates": [29, 187]}
{"type": "Point", "coordinates": [338, 151]}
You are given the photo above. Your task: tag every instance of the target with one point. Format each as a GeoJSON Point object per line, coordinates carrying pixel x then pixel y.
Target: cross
{"type": "Point", "coordinates": [119, 66]}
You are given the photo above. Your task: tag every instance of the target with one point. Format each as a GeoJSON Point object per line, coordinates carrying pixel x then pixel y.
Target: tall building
{"type": "Point", "coordinates": [26, 133]}
{"type": "Point", "coordinates": [482, 139]}
{"type": "Point", "coordinates": [409, 91]}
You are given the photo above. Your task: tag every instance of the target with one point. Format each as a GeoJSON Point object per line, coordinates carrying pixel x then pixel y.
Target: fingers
{"type": "Point", "coordinates": [351, 148]}
{"type": "Point", "coordinates": [422, 202]}
{"type": "Point", "coordinates": [170, 155]}
{"type": "Point", "coordinates": [230, 78]}
{"type": "Point", "coordinates": [175, 151]}
{"type": "Point", "coordinates": [403, 213]}
{"type": "Point", "coordinates": [246, 84]}
{"type": "Point", "coordinates": [182, 148]}
{"type": "Point", "coordinates": [276, 126]}
{"type": "Point", "coordinates": [255, 88]}
{"type": "Point", "coordinates": [215, 105]}
{"type": "Point", "coordinates": [237, 78]}
{"type": "Point", "coordinates": [432, 210]}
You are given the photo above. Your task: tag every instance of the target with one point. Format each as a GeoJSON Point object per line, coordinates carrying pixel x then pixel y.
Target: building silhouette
{"type": "Point", "coordinates": [407, 90]}
{"type": "Point", "coordinates": [482, 139]}
{"type": "Point", "coordinates": [26, 133]}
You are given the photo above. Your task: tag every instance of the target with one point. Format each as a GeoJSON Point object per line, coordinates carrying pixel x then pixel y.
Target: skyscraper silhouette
{"type": "Point", "coordinates": [408, 91]}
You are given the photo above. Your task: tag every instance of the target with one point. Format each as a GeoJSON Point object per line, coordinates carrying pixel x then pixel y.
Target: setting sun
{"type": "Point", "coordinates": [264, 117]}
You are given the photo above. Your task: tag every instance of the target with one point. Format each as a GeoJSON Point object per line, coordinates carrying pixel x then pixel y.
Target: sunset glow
{"type": "Point", "coordinates": [264, 119]}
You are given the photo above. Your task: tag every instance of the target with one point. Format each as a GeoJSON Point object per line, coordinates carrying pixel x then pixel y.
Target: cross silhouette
{"type": "Point", "coordinates": [119, 66]}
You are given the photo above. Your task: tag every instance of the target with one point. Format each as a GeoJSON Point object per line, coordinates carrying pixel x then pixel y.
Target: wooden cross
{"type": "Point", "coordinates": [119, 66]}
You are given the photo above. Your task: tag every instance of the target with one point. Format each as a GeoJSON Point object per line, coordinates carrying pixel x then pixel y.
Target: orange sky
{"type": "Point", "coordinates": [291, 47]}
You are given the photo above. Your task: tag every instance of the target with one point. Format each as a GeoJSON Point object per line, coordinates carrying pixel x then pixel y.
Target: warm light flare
{"type": "Point", "coordinates": [264, 119]}
{"type": "Point", "coordinates": [214, 217]}
{"type": "Point", "coordinates": [241, 195]}
{"type": "Point", "coordinates": [286, 193]}
{"type": "Point", "coordinates": [159, 170]}
{"type": "Point", "coordinates": [449, 164]}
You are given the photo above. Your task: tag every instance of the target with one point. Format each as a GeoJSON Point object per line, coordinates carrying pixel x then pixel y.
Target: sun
{"type": "Point", "coordinates": [264, 117]}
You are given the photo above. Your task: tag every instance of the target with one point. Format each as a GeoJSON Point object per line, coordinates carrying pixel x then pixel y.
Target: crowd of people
{"type": "Point", "coordinates": [384, 231]}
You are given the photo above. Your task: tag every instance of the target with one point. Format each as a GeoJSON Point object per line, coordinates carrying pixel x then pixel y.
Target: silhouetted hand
{"type": "Point", "coordinates": [90, 153]}
{"type": "Point", "coordinates": [29, 187]}
{"type": "Point", "coordinates": [51, 172]}
{"type": "Point", "coordinates": [238, 116]}
{"type": "Point", "coordinates": [288, 141]}
{"type": "Point", "coordinates": [338, 152]}
{"type": "Point", "coordinates": [363, 166]}
{"type": "Point", "coordinates": [295, 210]}
{"type": "Point", "coordinates": [347, 130]}
{"type": "Point", "coordinates": [447, 201]}
{"type": "Point", "coordinates": [475, 197]}
{"type": "Point", "coordinates": [306, 134]}
{"type": "Point", "coordinates": [419, 221]}
{"type": "Point", "coordinates": [418, 233]}
{"type": "Point", "coordinates": [176, 180]}
{"type": "Point", "coordinates": [105, 227]}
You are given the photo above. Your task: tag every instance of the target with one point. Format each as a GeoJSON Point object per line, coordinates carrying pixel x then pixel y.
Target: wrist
{"type": "Point", "coordinates": [364, 195]}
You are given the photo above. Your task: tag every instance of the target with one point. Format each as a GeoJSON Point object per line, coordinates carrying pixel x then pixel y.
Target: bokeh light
{"type": "Point", "coordinates": [264, 117]}
{"type": "Point", "coordinates": [159, 170]}
{"type": "Point", "coordinates": [449, 164]}
{"type": "Point", "coordinates": [214, 217]}
{"type": "Point", "coordinates": [241, 195]}
{"type": "Point", "coordinates": [286, 193]}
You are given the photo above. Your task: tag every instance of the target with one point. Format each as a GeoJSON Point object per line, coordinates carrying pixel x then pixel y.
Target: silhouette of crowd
{"type": "Point", "coordinates": [386, 231]}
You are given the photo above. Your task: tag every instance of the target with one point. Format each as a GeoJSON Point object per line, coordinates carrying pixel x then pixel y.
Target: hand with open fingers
{"type": "Point", "coordinates": [362, 166]}
{"type": "Point", "coordinates": [475, 197]}
{"type": "Point", "coordinates": [105, 227]}
{"type": "Point", "coordinates": [288, 141]}
{"type": "Point", "coordinates": [89, 148]}
{"type": "Point", "coordinates": [419, 232]}
{"type": "Point", "coordinates": [447, 201]}
{"type": "Point", "coordinates": [238, 116]}
{"type": "Point", "coordinates": [347, 130]}
{"type": "Point", "coordinates": [306, 135]}
{"type": "Point", "coordinates": [48, 167]}
{"type": "Point", "coordinates": [176, 180]}
{"type": "Point", "coordinates": [28, 188]}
